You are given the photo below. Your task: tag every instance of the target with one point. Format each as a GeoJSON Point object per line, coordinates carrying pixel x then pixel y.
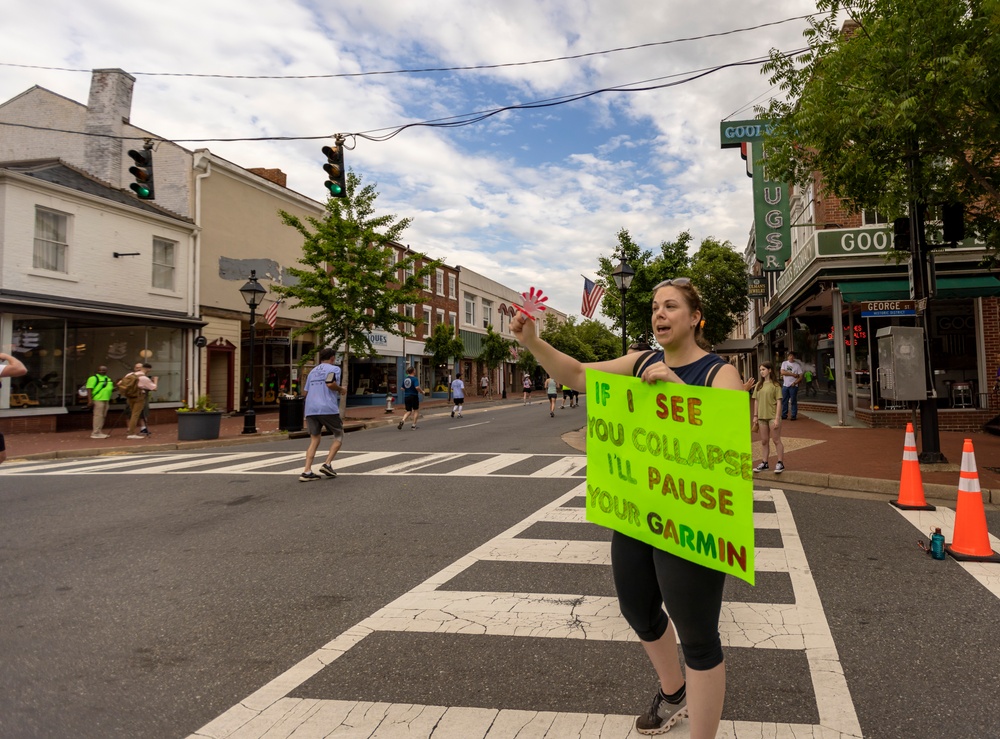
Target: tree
{"type": "Point", "coordinates": [495, 351]}
{"type": "Point", "coordinates": [602, 343]}
{"type": "Point", "coordinates": [671, 262]}
{"type": "Point", "coordinates": [526, 362]}
{"type": "Point", "coordinates": [349, 274]}
{"type": "Point", "coordinates": [444, 345]}
{"type": "Point", "coordinates": [566, 338]}
{"type": "Point", "coordinates": [905, 81]}
{"type": "Point", "coordinates": [721, 277]}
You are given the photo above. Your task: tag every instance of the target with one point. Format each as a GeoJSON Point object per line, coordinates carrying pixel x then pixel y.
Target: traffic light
{"type": "Point", "coordinates": [953, 223]}
{"type": "Point", "coordinates": [143, 173]}
{"type": "Point", "coordinates": [901, 234]}
{"type": "Point", "coordinates": [337, 184]}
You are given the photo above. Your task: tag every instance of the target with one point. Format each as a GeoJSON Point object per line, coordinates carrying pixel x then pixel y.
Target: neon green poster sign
{"type": "Point", "coordinates": [671, 465]}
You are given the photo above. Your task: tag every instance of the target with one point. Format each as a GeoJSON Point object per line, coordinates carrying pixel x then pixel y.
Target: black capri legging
{"type": "Point", "coordinates": [647, 578]}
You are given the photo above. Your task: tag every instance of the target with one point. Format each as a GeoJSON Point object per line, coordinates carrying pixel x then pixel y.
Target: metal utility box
{"type": "Point", "coordinates": [901, 367]}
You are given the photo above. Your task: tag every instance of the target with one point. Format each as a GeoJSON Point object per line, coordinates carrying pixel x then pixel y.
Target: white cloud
{"type": "Point", "coordinates": [526, 197]}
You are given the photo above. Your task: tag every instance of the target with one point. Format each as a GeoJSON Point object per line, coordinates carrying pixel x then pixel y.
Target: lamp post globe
{"type": "Point", "coordinates": [253, 294]}
{"type": "Point", "coordinates": [623, 279]}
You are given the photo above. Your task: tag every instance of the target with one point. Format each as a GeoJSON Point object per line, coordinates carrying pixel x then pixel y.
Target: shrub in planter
{"type": "Point", "coordinates": [199, 422]}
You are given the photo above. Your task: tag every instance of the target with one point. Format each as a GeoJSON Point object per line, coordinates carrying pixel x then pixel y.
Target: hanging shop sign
{"type": "Point", "coordinates": [772, 228]}
{"type": "Point", "coordinates": [757, 288]}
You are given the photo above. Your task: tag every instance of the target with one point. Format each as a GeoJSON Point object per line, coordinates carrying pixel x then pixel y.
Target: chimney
{"type": "Point", "coordinates": [108, 110]}
{"type": "Point", "coordinates": [271, 175]}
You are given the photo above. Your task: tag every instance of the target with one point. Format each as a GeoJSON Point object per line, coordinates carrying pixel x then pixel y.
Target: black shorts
{"type": "Point", "coordinates": [567, 393]}
{"type": "Point", "coordinates": [2, 447]}
{"type": "Point", "coordinates": [459, 401]}
{"type": "Point", "coordinates": [332, 423]}
{"type": "Point", "coordinates": [552, 396]}
{"type": "Point", "coordinates": [411, 402]}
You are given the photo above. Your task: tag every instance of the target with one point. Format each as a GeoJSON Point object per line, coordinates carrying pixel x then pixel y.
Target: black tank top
{"type": "Point", "coordinates": [700, 372]}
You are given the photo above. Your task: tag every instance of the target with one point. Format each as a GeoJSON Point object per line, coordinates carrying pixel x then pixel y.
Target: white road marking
{"type": "Point", "coordinates": [986, 573]}
{"type": "Point", "coordinates": [468, 425]}
{"type": "Point", "coordinates": [269, 712]}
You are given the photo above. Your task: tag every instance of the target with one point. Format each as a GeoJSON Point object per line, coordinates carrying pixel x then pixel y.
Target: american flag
{"type": "Point", "coordinates": [592, 294]}
{"type": "Point", "coordinates": [271, 316]}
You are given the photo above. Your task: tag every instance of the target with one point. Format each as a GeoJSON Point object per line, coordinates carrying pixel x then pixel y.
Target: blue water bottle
{"type": "Point", "coordinates": [937, 544]}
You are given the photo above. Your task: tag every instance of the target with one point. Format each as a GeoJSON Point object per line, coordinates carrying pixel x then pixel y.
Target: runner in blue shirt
{"type": "Point", "coordinates": [411, 397]}
{"type": "Point", "coordinates": [323, 391]}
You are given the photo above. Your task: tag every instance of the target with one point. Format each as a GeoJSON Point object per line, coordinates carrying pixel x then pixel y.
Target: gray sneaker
{"type": "Point", "coordinates": [661, 716]}
{"type": "Point", "coordinates": [328, 470]}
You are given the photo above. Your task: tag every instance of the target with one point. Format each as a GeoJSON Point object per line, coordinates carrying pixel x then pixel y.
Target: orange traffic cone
{"type": "Point", "coordinates": [971, 541]}
{"type": "Point", "coordinates": [911, 486]}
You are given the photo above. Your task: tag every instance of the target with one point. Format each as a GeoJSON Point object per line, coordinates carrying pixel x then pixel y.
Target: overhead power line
{"type": "Point", "coordinates": [456, 121]}
{"type": "Point", "coordinates": [424, 70]}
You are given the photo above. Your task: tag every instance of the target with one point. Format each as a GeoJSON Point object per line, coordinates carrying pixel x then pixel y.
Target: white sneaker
{"type": "Point", "coordinates": [99, 436]}
{"type": "Point", "coordinates": [135, 436]}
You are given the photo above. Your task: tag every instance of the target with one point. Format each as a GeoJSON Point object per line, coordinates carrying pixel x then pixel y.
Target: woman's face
{"type": "Point", "coordinates": [672, 322]}
{"type": "Point", "coordinates": [765, 372]}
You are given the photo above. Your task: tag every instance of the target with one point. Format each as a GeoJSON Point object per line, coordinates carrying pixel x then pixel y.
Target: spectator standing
{"type": "Point", "coordinates": [484, 385]}
{"type": "Point", "coordinates": [146, 367]}
{"type": "Point", "coordinates": [791, 376]}
{"type": "Point", "coordinates": [457, 394]}
{"type": "Point", "coordinates": [322, 411]}
{"type": "Point", "coordinates": [411, 398]}
{"type": "Point", "coordinates": [13, 368]}
{"type": "Point", "coordinates": [100, 388]}
{"type": "Point", "coordinates": [767, 417]}
{"type": "Point", "coordinates": [137, 403]}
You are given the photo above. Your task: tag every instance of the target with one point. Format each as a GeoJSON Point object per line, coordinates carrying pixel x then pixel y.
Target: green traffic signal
{"type": "Point", "coordinates": [334, 167]}
{"type": "Point", "coordinates": [143, 173]}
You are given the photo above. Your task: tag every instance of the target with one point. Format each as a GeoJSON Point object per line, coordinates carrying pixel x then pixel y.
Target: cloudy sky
{"type": "Point", "coordinates": [528, 197]}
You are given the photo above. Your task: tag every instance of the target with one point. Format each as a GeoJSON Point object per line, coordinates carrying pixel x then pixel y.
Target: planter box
{"type": "Point", "coordinates": [198, 425]}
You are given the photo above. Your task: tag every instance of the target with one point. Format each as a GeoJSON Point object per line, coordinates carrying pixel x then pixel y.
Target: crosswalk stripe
{"type": "Point", "coordinates": [413, 465]}
{"type": "Point", "coordinates": [565, 467]}
{"type": "Point", "coordinates": [256, 464]}
{"type": "Point", "coordinates": [489, 466]}
{"type": "Point", "coordinates": [187, 463]}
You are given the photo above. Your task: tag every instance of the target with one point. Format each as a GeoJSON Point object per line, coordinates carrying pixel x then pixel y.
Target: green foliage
{"type": "Point", "coordinates": [915, 78]}
{"type": "Point", "coordinates": [721, 275]}
{"type": "Point", "coordinates": [444, 345]}
{"type": "Point", "coordinates": [203, 404]}
{"type": "Point", "coordinates": [566, 338]}
{"type": "Point", "coordinates": [348, 272]}
{"type": "Point", "coordinates": [598, 338]}
{"type": "Point", "coordinates": [526, 362]}
{"type": "Point", "coordinates": [496, 349]}
{"type": "Point", "coordinates": [672, 261]}
{"type": "Point", "coordinates": [718, 272]}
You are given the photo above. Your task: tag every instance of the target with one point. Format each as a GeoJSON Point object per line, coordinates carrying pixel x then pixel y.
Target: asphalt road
{"type": "Point", "coordinates": [149, 604]}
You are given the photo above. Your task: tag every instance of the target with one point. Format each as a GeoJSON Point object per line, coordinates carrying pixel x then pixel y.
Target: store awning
{"type": "Point", "coordinates": [735, 346]}
{"type": "Point", "coordinates": [954, 286]}
{"type": "Point", "coordinates": [774, 323]}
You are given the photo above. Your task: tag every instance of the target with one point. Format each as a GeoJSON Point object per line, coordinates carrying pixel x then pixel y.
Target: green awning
{"type": "Point", "coordinates": [856, 292]}
{"type": "Point", "coordinates": [955, 286]}
{"type": "Point", "coordinates": [968, 286]}
{"type": "Point", "coordinates": [774, 323]}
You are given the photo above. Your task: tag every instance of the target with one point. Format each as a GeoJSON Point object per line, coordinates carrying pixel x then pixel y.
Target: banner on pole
{"type": "Point", "coordinates": [671, 465]}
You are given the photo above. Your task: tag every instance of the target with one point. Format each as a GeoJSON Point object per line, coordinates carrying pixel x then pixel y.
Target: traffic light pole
{"type": "Point", "coordinates": [930, 436]}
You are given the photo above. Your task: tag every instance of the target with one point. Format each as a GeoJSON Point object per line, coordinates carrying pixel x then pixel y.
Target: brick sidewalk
{"type": "Point", "coordinates": [816, 453]}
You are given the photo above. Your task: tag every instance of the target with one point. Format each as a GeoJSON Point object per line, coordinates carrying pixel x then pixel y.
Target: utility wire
{"type": "Point", "coordinates": [435, 69]}
{"type": "Point", "coordinates": [456, 121]}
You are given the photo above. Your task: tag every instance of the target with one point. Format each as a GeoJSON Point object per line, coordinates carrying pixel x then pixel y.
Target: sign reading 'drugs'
{"type": "Point", "coordinates": [670, 465]}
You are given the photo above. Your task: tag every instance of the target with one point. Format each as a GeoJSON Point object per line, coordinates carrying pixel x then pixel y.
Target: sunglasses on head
{"type": "Point", "coordinates": [679, 281]}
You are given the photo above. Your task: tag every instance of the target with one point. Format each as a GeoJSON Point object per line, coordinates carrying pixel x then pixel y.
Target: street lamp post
{"type": "Point", "coordinates": [623, 279]}
{"type": "Point", "coordinates": [253, 294]}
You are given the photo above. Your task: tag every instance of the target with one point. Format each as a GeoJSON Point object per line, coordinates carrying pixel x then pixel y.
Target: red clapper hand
{"type": "Point", "coordinates": [534, 302]}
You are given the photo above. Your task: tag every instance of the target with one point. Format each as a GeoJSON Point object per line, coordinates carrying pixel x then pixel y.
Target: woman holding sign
{"type": "Point", "coordinates": [646, 578]}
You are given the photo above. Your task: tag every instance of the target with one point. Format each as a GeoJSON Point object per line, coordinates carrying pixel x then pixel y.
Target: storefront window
{"type": "Point", "coordinates": [61, 354]}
